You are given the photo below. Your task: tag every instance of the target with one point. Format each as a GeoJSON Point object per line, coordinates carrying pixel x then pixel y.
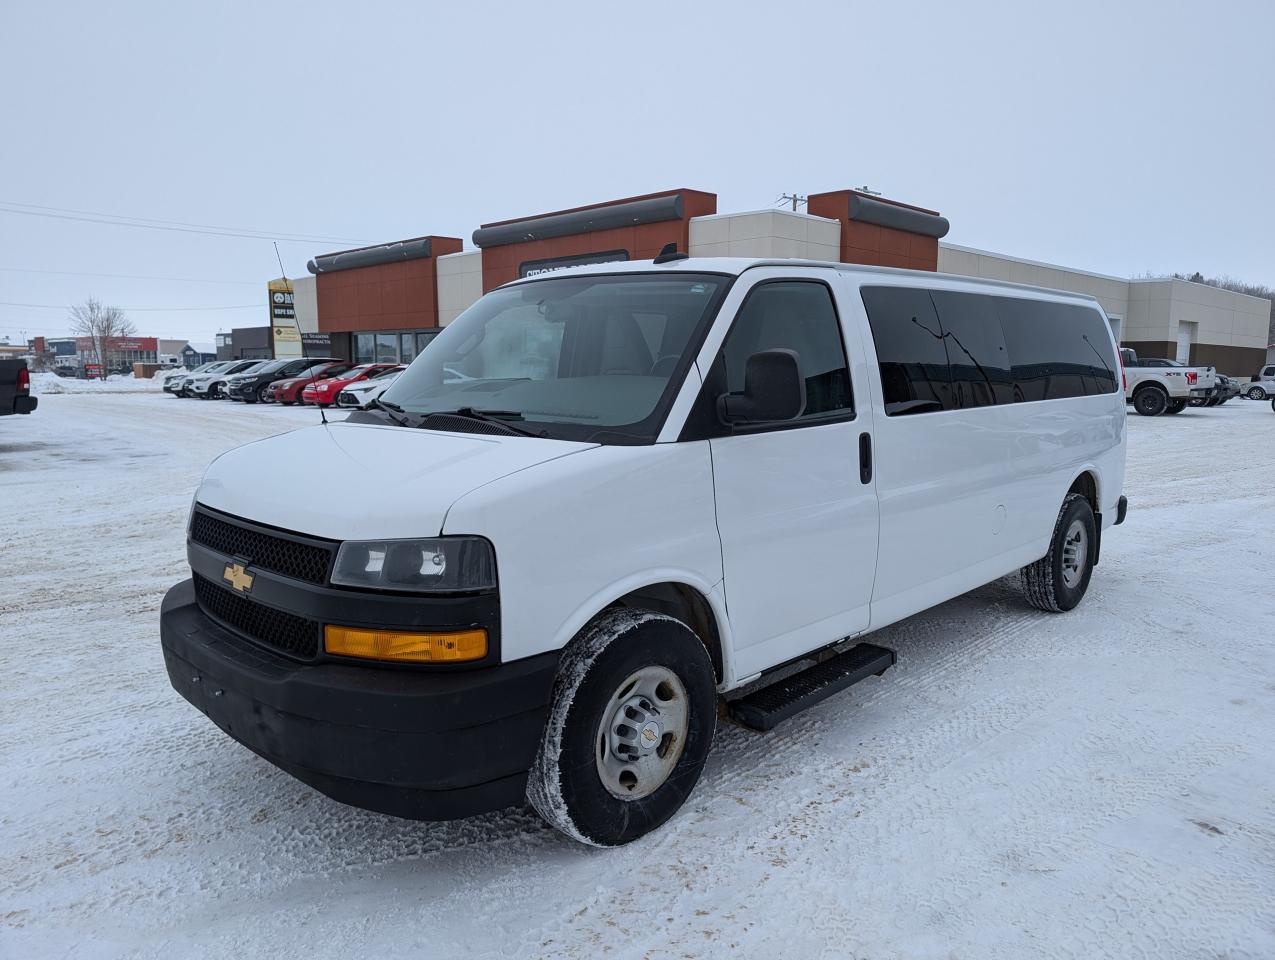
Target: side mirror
{"type": "Point", "coordinates": [774, 389]}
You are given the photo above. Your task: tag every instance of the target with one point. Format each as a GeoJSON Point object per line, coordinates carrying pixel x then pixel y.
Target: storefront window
{"type": "Point", "coordinates": [407, 347]}
{"type": "Point", "coordinates": [365, 347]}
{"type": "Point", "coordinates": [387, 348]}
{"type": "Point", "coordinates": [424, 338]}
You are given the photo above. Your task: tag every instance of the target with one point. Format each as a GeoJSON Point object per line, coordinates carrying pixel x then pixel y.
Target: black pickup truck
{"type": "Point", "coordinates": [15, 388]}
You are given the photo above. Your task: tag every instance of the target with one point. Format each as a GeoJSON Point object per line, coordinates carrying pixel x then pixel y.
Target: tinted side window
{"type": "Point", "coordinates": [1095, 334]}
{"type": "Point", "coordinates": [910, 348]}
{"type": "Point", "coordinates": [794, 315]}
{"type": "Point", "coordinates": [1054, 349]}
{"type": "Point", "coordinates": [976, 352]}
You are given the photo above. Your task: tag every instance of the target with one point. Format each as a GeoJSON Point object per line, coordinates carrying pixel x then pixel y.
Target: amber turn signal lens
{"type": "Point", "coordinates": [448, 647]}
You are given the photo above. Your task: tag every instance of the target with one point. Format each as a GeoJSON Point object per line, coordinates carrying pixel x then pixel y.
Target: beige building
{"type": "Point", "coordinates": [1175, 319]}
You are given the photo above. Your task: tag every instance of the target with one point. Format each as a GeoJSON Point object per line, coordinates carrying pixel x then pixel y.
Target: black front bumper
{"type": "Point", "coordinates": [420, 745]}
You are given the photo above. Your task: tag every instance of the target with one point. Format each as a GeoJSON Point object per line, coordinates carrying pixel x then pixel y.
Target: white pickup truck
{"type": "Point", "coordinates": [1156, 386]}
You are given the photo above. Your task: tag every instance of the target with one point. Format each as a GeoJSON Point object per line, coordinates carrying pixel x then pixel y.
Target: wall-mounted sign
{"type": "Point", "coordinates": [534, 268]}
{"type": "Point", "coordinates": [316, 344]}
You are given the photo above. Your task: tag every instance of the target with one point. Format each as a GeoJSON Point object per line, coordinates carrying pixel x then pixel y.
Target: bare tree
{"type": "Point", "coordinates": [102, 324]}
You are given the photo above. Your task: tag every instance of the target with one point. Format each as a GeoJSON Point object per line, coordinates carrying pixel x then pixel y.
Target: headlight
{"type": "Point", "coordinates": [437, 565]}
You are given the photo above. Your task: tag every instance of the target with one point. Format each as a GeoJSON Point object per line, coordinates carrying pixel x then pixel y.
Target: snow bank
{"type": "Point", "coordinates": [43, 384]}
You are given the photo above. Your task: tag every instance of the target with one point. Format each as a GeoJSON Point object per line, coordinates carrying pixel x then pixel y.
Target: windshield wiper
{"type": "Point", "coordinates": [390, 409]}
{"type": "Point", "coordinates": [498, 417]}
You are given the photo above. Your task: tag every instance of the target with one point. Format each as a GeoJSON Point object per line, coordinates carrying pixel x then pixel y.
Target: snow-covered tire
{"type": "Point", "coordinates": [1150, 401]}
{"type": "Point", "coordinates": [1052, 583]}
{"type": "Point", "coordinates": [566, 784]}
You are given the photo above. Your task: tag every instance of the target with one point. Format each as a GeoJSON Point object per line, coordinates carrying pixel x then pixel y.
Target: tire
{"type": "Point", "coordinates": [1150, 401]}
{"type": "Point", "coordinates": [1176, 406]}
{"type": "Point", "coordinates": [622, 663]}
{"type": "Point", "coordinates": [1256, 393]}
{"type": "Point", "coordinates": [1052, 583]}
{"type": "Point", "coordinates": [258, 395]}
{"type": "Point", "coordinates": [288, 403]}
{"type": "Point", "coordinates": [1273, 405]}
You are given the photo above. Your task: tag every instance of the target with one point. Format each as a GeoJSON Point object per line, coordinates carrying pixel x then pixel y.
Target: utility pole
{"type": "Point", "coordinates": [792, 198]}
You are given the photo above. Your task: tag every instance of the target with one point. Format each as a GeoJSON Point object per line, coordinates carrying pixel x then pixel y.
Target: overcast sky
{"type": "Point", "coordinates": [1119, 137]}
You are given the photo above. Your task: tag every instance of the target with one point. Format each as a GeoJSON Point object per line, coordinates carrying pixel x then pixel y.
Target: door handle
{"type": "Point", "coordinates": [865, 458]}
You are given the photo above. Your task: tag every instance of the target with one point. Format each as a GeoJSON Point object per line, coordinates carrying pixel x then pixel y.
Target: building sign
{"type": "Point", "coordinates": [282, 308]}
{"type": "Point", "coordinates": [316, 344]}
{"type": "Point", "coordinates": [119, 344]}
{"type": "Point", "coordinates": [283, 320]}
{"type": "Point", "coordinates": [535, 268]}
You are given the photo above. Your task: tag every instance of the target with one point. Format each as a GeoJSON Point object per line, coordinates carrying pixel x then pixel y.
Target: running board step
{"type": "Point", "coordinates": [763, 709]}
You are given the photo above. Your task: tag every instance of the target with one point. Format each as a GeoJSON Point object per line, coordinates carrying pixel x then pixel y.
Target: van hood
{"type": "Point", "coordinates": [363, 481]}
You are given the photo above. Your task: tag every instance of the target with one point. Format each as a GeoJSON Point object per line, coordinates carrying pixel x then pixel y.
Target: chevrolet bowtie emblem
{"type": "Point", "coordinates": [240, 580]}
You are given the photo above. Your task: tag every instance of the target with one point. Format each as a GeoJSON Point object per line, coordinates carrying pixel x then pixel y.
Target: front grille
{"type": "Point", "coordinates": [285, 632]}
{"type": "Point", "coordinates": [289, 558]}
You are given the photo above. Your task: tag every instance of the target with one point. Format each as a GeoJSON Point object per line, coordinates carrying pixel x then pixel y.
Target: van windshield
{"type": "Point", "coordinates": [594, 357]}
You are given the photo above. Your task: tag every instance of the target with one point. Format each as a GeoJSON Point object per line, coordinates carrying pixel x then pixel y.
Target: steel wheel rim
{"type": "Point", "coordinates": [1075, 553]}
{"type": "Point", "coordinates": [643, 733]}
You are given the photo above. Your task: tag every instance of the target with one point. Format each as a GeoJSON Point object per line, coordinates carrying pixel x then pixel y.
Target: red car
{"type": "Point", "coordinates": [323, 393]}
{"type": "Point", "coordinates": [288, 391]}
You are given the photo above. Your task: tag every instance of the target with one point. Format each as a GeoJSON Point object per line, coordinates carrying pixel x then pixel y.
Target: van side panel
{"type": "Point", "coordinates": [571, 539]}
{"type": "Point", "coordinates": [970, 495]}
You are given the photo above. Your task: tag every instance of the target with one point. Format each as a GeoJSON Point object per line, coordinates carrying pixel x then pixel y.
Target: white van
{"type": "Point", "coordinates": [603, 499]}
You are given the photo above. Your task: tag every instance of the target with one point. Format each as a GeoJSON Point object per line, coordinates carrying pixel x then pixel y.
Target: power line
{"type": "Point", "coordinates": [56, 306]}
{"type": "Point", "coordinates": [144, 223]}
{"type": "Point", "coordinates": [129, 276]}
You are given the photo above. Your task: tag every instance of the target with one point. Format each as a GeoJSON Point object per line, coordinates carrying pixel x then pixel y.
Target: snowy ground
{"type": "Point", "coordinates": [1100, 783]}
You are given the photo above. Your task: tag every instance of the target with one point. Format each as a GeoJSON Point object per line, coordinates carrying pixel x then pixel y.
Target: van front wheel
{"type": "Point", "coordinates": [1058, 580]}
{"type": "Point", "coordinates": [630, 725]}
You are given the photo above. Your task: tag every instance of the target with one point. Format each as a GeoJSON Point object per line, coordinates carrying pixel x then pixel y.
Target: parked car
{"type": "Point", "coordinates": [173, 382]}
{"type": "Point", "coordinates": [211, 384]}
{"type": "Point", "coordinates": [1260, 389]}
{"type": "Point", "coordinates": [15, 388]}
{"type": "Point", "coordinates": [253, 387]}
{"type": "Point", "coordinates": [1225, 389]}
{"type": "Point", "coordinates": [361, 395]}
{"type": "Point", "coordinates": [324, 392]}
{"type": "Point", "coordinates": [289, 390]}
{"type": "Point", "coordinates": [1266, 373]}
{"type": "Point", "coordinates": [658, 483]}
{"type": "Point", "coordinates": [1155, 385]}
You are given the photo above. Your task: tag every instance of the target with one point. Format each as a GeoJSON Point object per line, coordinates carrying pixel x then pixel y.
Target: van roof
{"type": "Point", "coordinates": [737, 265]}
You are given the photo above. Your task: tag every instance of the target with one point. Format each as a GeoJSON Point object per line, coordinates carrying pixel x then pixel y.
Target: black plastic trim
{"type": "Point", "coordinates": [1122, 508]}
{"type": "Point", "coordinates": [867, 210]}
{"type": "Point", "coordinates": [611, 217]}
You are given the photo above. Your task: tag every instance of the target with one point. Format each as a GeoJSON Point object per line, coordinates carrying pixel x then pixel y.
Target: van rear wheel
{"type": "Point", "coordinates": [630, 725]}
{"type": "Point", "coordinates": [1058, 580]}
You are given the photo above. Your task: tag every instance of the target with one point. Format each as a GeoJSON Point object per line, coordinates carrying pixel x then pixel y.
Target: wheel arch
{"type": "Point", "coordinates": [1088, 485]}
{"type": "Point", "coordinates": [676, 593]}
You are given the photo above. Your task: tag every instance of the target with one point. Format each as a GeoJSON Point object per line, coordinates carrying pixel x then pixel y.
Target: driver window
{"type": "Point", "coordinates": [794, 315]}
